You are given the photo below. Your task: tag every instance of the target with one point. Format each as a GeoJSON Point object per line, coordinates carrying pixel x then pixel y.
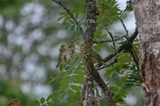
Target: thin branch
{"type": "Point", "coordinates": [114, 45]}
{"type": "Point", "coordinates": [135, 57]}
{"type": "Point", "coordinates": [60, 3]}
{"type": "Point", "coordinates": [107, 40]}
{"type": "Point", "coordinates": [132, 51]}
{"type": "Point", "coordinates": [123, 25]}
{"type": "Point", "coordinates": [108, 65]}
{"type": "Point", "coordinates": [104, 87]}
{"type": "Point", "coordinates": [123, 46]}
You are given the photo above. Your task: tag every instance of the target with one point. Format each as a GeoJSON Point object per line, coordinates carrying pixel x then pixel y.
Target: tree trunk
{"type": "Point", "coordinates": [147, 13]}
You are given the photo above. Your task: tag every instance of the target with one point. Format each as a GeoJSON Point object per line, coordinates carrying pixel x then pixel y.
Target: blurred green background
{"type": "Point", "coordinates": [29, 44]}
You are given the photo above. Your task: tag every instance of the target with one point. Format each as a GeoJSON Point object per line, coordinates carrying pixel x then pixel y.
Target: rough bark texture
{"type": "Point", "coordinates": [91, 73]}
{"type": "Point", "coordinates": [147, 13]}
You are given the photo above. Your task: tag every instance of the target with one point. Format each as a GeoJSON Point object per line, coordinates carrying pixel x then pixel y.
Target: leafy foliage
{"type": "Point", "coordinates": [121, 76]}
{"type": "Point", "coordinates": [78, 13]}
{"type": "Point", "coordinates": [26, 40]}
{"type": "Point", "coordinates": [70, 79]}
{"type": "Point", "coordinates": [108, 12]}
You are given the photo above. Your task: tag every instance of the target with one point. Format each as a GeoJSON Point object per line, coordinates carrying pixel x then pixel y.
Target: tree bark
{"type": "Point", "coordinates": [88, 97]}
{"type": "Point", "coordinates": [147, 14]}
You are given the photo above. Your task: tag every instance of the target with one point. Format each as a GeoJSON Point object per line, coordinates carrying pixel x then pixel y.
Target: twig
{"type": "Point", "coordinates": [111, 38]}
{"type": "Point", "coordinates": [132, 51]}
{"type": "Point", "coordinates": [60, 3]}
{"type": "Point", "coordinates": [108, 65]}
{"type": "Point", "coordinates": [104, 87]}
{"type": "Point", "coordinates": [107, 40]}
{"type": "Point", "coordinates": [114, 45]}
{"type": "Point", "coordinates": [123, 25]}
{"type": "Point", "coordinates": [123, 46]}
